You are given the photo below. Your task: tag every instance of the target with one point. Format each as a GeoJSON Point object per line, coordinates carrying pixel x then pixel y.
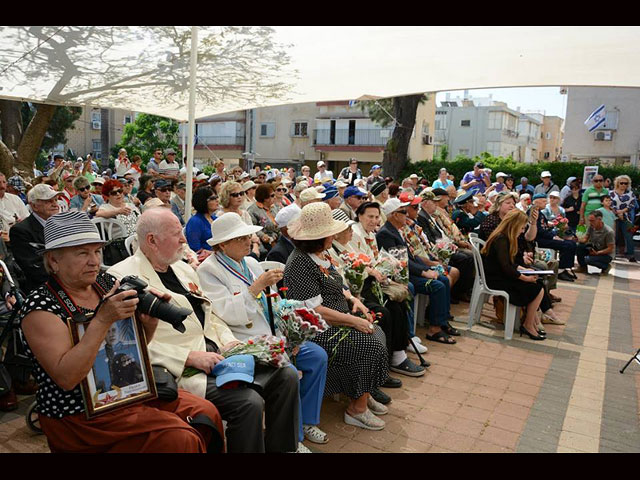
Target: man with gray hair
{"type": "Point", "coordinates": [272, 393]}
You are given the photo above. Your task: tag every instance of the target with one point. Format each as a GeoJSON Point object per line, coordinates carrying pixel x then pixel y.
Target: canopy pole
{"type": "Point", "coordinates": [192, 126]}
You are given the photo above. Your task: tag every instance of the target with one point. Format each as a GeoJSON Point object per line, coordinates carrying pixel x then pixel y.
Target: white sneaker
{"type": "Point", "coordinates": [417, 339]}
{"type": "Point", "coordinates": [314, 434]}
{"type": "Point", "coordinates": [376, 407]}
{"type": "Point", "coordinates": [366, 420]}
{"type": "Point", "coordinates": [302, 448]}
{"type": "Point", "coordinates": [420, 348]}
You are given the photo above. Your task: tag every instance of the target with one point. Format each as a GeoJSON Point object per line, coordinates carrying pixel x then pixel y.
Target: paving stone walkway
{"type": "Point", "coordinates": [485, 394]}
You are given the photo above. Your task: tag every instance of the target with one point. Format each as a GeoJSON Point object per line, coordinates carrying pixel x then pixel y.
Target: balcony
{"type": "Point", "coordinates": [220, 141]}
{"type": "Point", "coordinates": [344, 137]}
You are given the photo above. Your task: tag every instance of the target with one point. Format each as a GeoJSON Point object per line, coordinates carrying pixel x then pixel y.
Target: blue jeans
{"type": "Point", "coordinates": [621, 229]}
{"type": "Point", "coordinates": [599, 261]}
{"type": "Point", "coordinates": [312, 362]}
{"type": "Point", "coordinates": [439, 292]}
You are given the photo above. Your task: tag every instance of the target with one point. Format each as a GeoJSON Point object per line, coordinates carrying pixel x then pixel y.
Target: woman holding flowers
{"type": "Point", "coordinates": [237, 282]}
{"type": "Point", "coordinates": [356, 347]}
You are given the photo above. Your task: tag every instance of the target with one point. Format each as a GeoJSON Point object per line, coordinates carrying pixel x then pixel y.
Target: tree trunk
{"type": "Point", "coordinates": [6, 160]}
{"type": "Point", "coordinates": [104, 139]}
{"type": "Point", "coordinates": [396, 152]}
{"type": "Point", "coordinates": [11, 123]}
{"type": "Point", "coordinates": [32, 139]}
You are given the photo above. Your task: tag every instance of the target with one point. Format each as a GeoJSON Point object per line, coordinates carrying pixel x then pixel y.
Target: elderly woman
{"type": "Point", "coordinates": [85, 200]}
{"type": "Point", "coordinates": [72, 257]}
{"type": "Point", "coordinates": [624, 204]}
{"type": "Point", "coordinates": [116, 207]}
{"type": "Point", "coordinates": [232, 198]}
{"type": "Point", "coordinates": [358, 361]}
{"type": "Point", "coordinates": [553, 209]}
{"type": "Point", "coordinates": [237, 281]}
{"type": "Point", "coordinates": [263, 216]}
{"type": "Point", "coordinates": [198, 228]}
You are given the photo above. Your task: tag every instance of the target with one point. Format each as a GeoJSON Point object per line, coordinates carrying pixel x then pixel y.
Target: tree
{"type": "Point", "coordinates": [132, 67]}
{"type": "Point", "coordinates": [400, 112]}
{"type": "Point", "coordinates": [147, 133]}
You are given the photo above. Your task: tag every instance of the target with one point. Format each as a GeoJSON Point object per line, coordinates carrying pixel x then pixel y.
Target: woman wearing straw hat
{"type": "Point", "coordinates": [237, 282]}
{"type": "Point", "coordinates": [72, 257]}
{"type": "Point", "coordinates": [358, 362]}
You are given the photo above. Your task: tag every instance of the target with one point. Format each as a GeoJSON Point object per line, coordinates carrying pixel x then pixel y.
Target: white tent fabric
{"type": "Point", "coordinates": [146, 69]}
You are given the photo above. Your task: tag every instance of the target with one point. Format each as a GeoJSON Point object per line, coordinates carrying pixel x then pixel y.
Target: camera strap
{"type": "Point", "coordinates": [69, 305]}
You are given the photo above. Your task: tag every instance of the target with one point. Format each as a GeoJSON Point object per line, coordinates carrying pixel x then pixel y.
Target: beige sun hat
{"type": "Point", "coordinates": [310, 194]}
{"type": "Point", "coordinates": [315, 222]}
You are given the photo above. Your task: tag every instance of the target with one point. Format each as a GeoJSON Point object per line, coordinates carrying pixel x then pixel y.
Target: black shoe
{"type": "Point", "coordinates": [566, 277]}
{"type": "Point", "coordinates": [633, 260]}
{"type": "Point", "coordinates": [532, 337]}
{"type": "Point", "coordinates": [408, 368]}
{"type": "Point", "coordinates": [392, 383]}
{"type": "Point", "coordinates": [380, 397]}
{"type": "Point", "coordinates": [572, 273]}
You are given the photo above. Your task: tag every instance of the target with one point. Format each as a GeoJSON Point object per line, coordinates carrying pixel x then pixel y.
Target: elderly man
{"type": "Point", "coordinates": [177, 202]}
{"type": "Point", "coordinates": [547, 186]}
{"type": "Point", "coordinates": [169, 169]}
{"type": "Point", "coordinates": [322, 175]}
{"type": "Point", "coordinates": [524, 187]}
{"type": "Point", "coordinates": [467, 215]}
{"type": "Point", "coordinates": [353, 198]}
{"type": "Point", "coordinates": [27, 237]}
{"type": "Point", "coordinates": [157, 262]}
{"type": "Point", "coordinates": [12, 210]}
{"type": "Point", "coordinates": [332, 197]}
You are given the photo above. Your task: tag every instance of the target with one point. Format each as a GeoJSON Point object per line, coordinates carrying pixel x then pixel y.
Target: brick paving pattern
{"type": "Point", "coordinates": [488, 395]}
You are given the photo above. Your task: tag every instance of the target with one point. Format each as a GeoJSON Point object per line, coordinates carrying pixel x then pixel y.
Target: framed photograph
{"type": "Point", "coordinates": [121, 374]}
{"type": "Point", "coordinates": [588, 174]}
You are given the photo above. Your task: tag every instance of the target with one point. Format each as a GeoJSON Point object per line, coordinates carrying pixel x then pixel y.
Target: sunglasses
{"type": "Point", "coordinates": [96, 184]}
{"type": "Point", "coordinates": [115, 192]}
{"type": "Point", "coordinates": [623, 183]}
{"type": "Point", "coordinates": [82, 189]}
{"type": "Point", "coordinates": [272, 195]}
{"type": "Point", "coordinates": [598, 180]}
{"type": "Point", "coordinates": [164, 189]}
{"type": "Point", "coordinates": [212, 198]}
{"type": "Point", "coordinates": [415, 207]}
{"type": "Point", "coordinates": [237, 194]}
{"type": "Point", "coordinates": [281, 189]}
{"type": "Point", "coordinates": [402, 212]}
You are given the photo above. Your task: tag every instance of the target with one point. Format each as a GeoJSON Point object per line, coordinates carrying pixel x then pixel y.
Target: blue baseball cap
{"type": "Point", "coordinates": [351, 191]}
{"type": "Point", "coordinates": [330, 192]}
{"type": "Point", "coordinates": [375, 167]}
{"type": "Point", "coordinates": [236, 367]}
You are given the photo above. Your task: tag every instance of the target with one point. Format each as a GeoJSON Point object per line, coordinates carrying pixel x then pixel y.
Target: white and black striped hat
{"type": "Point", "coordinates": [69, 229]}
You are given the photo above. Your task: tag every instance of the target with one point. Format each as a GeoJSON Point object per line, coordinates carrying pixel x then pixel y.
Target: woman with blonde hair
{"type": "Point", "coordinates": [624, 204]}
{"type": "Point", "coordinates": [502, 272]}
{"type": "Point", "coordinates": [232, 198]}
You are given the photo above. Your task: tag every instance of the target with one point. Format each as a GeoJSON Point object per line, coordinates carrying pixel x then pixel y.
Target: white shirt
{"type": "Point", "coordinates": [11, 206]}
{"type": "Point", "coordinates": [166, 168]}
{"type": "Point", "coordinates": [320, 176]}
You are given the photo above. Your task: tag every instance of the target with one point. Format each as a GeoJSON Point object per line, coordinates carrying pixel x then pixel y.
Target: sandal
{"type": "Point", "coordinates": [314, 434]}
{"type": "Point", "coordinates": [441, 337]}
{"type": "Point", "coordinates": [449, 330]}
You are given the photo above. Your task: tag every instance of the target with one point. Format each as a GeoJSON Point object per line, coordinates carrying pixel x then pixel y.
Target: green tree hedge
{"type": "Point", "coordinates": [559, 171]}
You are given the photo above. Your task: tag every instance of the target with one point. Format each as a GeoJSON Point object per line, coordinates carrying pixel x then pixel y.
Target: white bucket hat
{"type": "Point", "coordinates": [315, 222]}
{"type": "Point", "coordinates": [228, 227]}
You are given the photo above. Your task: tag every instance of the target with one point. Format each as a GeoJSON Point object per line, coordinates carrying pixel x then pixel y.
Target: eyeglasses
{"type": "Point", "coordinates": [82, 189]}
{"type": "Point", "coordinates": [96, 184]}
{"type": "Point", "coordinates": [415, 207]}
{"type": "Point", "coordinates": [237, 194]}
{"type": "Point", "coordinates": [401, 212]}
{"type": "Point", "coordinates": [115, 192]}
{"type": "Point", "coordinates": [244, 238]}
{"type": "Point", "coordinates": [164, 189]}
{"type": "Point", "coordinates": [212, 198]}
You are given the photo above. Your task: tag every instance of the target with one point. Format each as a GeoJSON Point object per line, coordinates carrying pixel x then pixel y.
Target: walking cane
{"type": "Point", "coordinates": [635, 357]}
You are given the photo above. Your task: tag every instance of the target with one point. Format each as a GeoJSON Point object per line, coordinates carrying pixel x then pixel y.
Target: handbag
{"type": "Point", "coordinates": [166, 384]}
{"type": "Point", "coordinates": [397, 292]}
{"type": "Point", "coordinates": [114, 251]}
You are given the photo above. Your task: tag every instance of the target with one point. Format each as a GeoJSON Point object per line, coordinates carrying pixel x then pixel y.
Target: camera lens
{"type": "Point", "coordinates": [165, 311]}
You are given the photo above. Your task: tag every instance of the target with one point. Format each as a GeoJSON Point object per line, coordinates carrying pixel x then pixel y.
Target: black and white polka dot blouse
{"type": "Point", "coordinates": [52, 400]}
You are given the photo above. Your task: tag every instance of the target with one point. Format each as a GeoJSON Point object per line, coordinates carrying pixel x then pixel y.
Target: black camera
{"type": "Point", "coordinates": [153, 305]}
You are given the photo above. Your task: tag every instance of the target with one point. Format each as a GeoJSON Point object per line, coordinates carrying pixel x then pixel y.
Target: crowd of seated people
{"type": "Point", "coordinates": [309, 224]}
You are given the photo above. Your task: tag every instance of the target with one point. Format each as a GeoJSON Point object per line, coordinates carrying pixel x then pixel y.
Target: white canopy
{"type": "Point", "coordinates": [146, 69]}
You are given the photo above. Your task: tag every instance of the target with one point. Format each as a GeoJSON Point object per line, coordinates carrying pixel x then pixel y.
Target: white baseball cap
{"type": "Point", "coordinates": [544, 174]}
{"type": "Point", "coordinates": [320, 164]}
{"type": "Point", "coordinates": [501, 174]}
{"type": "Point", "coordinates": [42, 191]}
{"type": "Point", "coordinates": [287, 214]}
{"type": "Point", "coordinates": [392, 205]}
{"type": "Point", "coordinates": [554, 194]}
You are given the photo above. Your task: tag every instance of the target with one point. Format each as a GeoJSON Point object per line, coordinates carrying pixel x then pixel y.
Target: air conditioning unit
{"type": "Point", "coordinates": [604, 135]}
{"type": "Point", "coordinates": [95, 125]}
{"type": "Point", "coordinates": [427, 140]}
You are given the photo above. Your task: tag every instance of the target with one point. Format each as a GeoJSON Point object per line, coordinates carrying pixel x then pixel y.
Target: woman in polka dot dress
{"type": "Point", "coordinates": [358, 360]}
{"type": "Point", "coordinates": [72, 258]}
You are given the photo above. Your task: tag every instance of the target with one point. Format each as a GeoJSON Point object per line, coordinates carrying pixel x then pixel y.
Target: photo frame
{"type": "Point", "coordinates": [121, 374]}
{"type": "Point", "coordinates": [588, 174]}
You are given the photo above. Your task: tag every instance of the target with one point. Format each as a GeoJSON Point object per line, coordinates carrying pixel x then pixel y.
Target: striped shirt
{"type": "Point", "coordinates": [166, 168]}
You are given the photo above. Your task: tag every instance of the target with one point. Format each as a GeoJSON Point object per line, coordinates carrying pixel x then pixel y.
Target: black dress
{"type": "Point", "coordinates": [502, 274]}
{"type": "Point", "coordinates": [359, 363]}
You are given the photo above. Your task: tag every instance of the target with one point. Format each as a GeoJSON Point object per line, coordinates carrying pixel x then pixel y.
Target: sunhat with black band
{"type": "Point", "coordinates": [69, 229]}
{"type": "Point", "coordinates": [315, 222]}
{"type": "Point", "coordinates": [230, 226]}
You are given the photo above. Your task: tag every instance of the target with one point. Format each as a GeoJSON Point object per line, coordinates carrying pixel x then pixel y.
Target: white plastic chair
{"type": "Point", "coordinates": [131, 244]}
{"type": "Point", "coordinates": [110, 228]}
{"type": "Point", "coordinates": [420, 304]}
{"type": "Point", "coordinates": [481, 293]}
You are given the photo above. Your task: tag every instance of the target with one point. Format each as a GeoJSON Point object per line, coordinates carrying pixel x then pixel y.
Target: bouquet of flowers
{"type": "Point", "coordinates": [561, 224]}
{"type": "Point", "coordinates": [402, 257]}
{"type": "Point", "coordinates": [390, 268]}
{"type": "Point", "coordinates": [354, 270]}
{"type": "Point", "coordinates": [444, 251]}
{"type": "Point", "coordinates": [266, 349]}
{"type": "Point", "coordinates": [297, 323]}
{"type": "Point", "coordinates": [544, 254]}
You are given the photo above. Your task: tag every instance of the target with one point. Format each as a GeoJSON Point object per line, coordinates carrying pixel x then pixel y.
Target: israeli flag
{"type": "Point", "coordinates": [352, 103]}
{"type": "Point", "coordinates": [596, 119]}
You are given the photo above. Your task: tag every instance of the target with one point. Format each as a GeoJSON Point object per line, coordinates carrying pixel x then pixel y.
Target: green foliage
{"type": "Point", "coordinates": [208, 170]}
{"type": "Point", "coordinates": [63, 120]}
{"type": "Point", "coordinates": [559, 171]}
{"type": "Point", "coordinates": [146, 134]}
{"type": "Point", "coordinates": [444, 153]}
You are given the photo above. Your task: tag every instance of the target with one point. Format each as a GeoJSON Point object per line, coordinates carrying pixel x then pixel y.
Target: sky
{"type": "Point", "coordinates": [546, 99]}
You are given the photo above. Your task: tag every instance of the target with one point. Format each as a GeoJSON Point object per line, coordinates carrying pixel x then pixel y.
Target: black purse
{"type": "Point", "coordinates": [114, 251]}
{"type": "Point", "coordinates": [166, 385]}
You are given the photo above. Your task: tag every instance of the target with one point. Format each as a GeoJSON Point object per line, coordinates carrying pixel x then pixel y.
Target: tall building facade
{"type": "Point", "coordinates": [617, 140]}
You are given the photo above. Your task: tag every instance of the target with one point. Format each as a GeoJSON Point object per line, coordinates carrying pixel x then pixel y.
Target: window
{"type": "Point", "coordinates": [493, 148]}
{"type": "Point", "coordinates": [300, 129]}
{"type": "Point", "coordinates": [465, 123]}
{"type": "Point", "coordinates": [495, 121]}
{"type": "Point", "coordinates": [95, 115]}
{"type": "Point", "coordinates": [547, 136]}
{"type": "Point", "coordinates": [268, 130]}
{"type": "Point", "coordinates": [127, 119]}
{"type": "Point", "coordinates": [546, 155]}
{"type": "Point", "coordinates": [441, 120]}
{"type": "Point", "coordinates": [464, 151]}
{"type": "Point", "coordinates": [97, 149]}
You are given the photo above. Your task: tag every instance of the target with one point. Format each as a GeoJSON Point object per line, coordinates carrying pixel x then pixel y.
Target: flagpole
{"type": "Point", "coordinates": [192, 126]}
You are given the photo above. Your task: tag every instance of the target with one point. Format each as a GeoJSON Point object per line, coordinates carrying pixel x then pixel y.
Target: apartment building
{"type": "Point", "coordinates": [551, 136]}
{"type": "Point", "coordinates": [87, 135]}
{"type": "Point", "coordinates": [469, 130]}
{"type": "Point", "coordinates": [614, 142]}
{"type": "Point", "coordinates": [297, 134]}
